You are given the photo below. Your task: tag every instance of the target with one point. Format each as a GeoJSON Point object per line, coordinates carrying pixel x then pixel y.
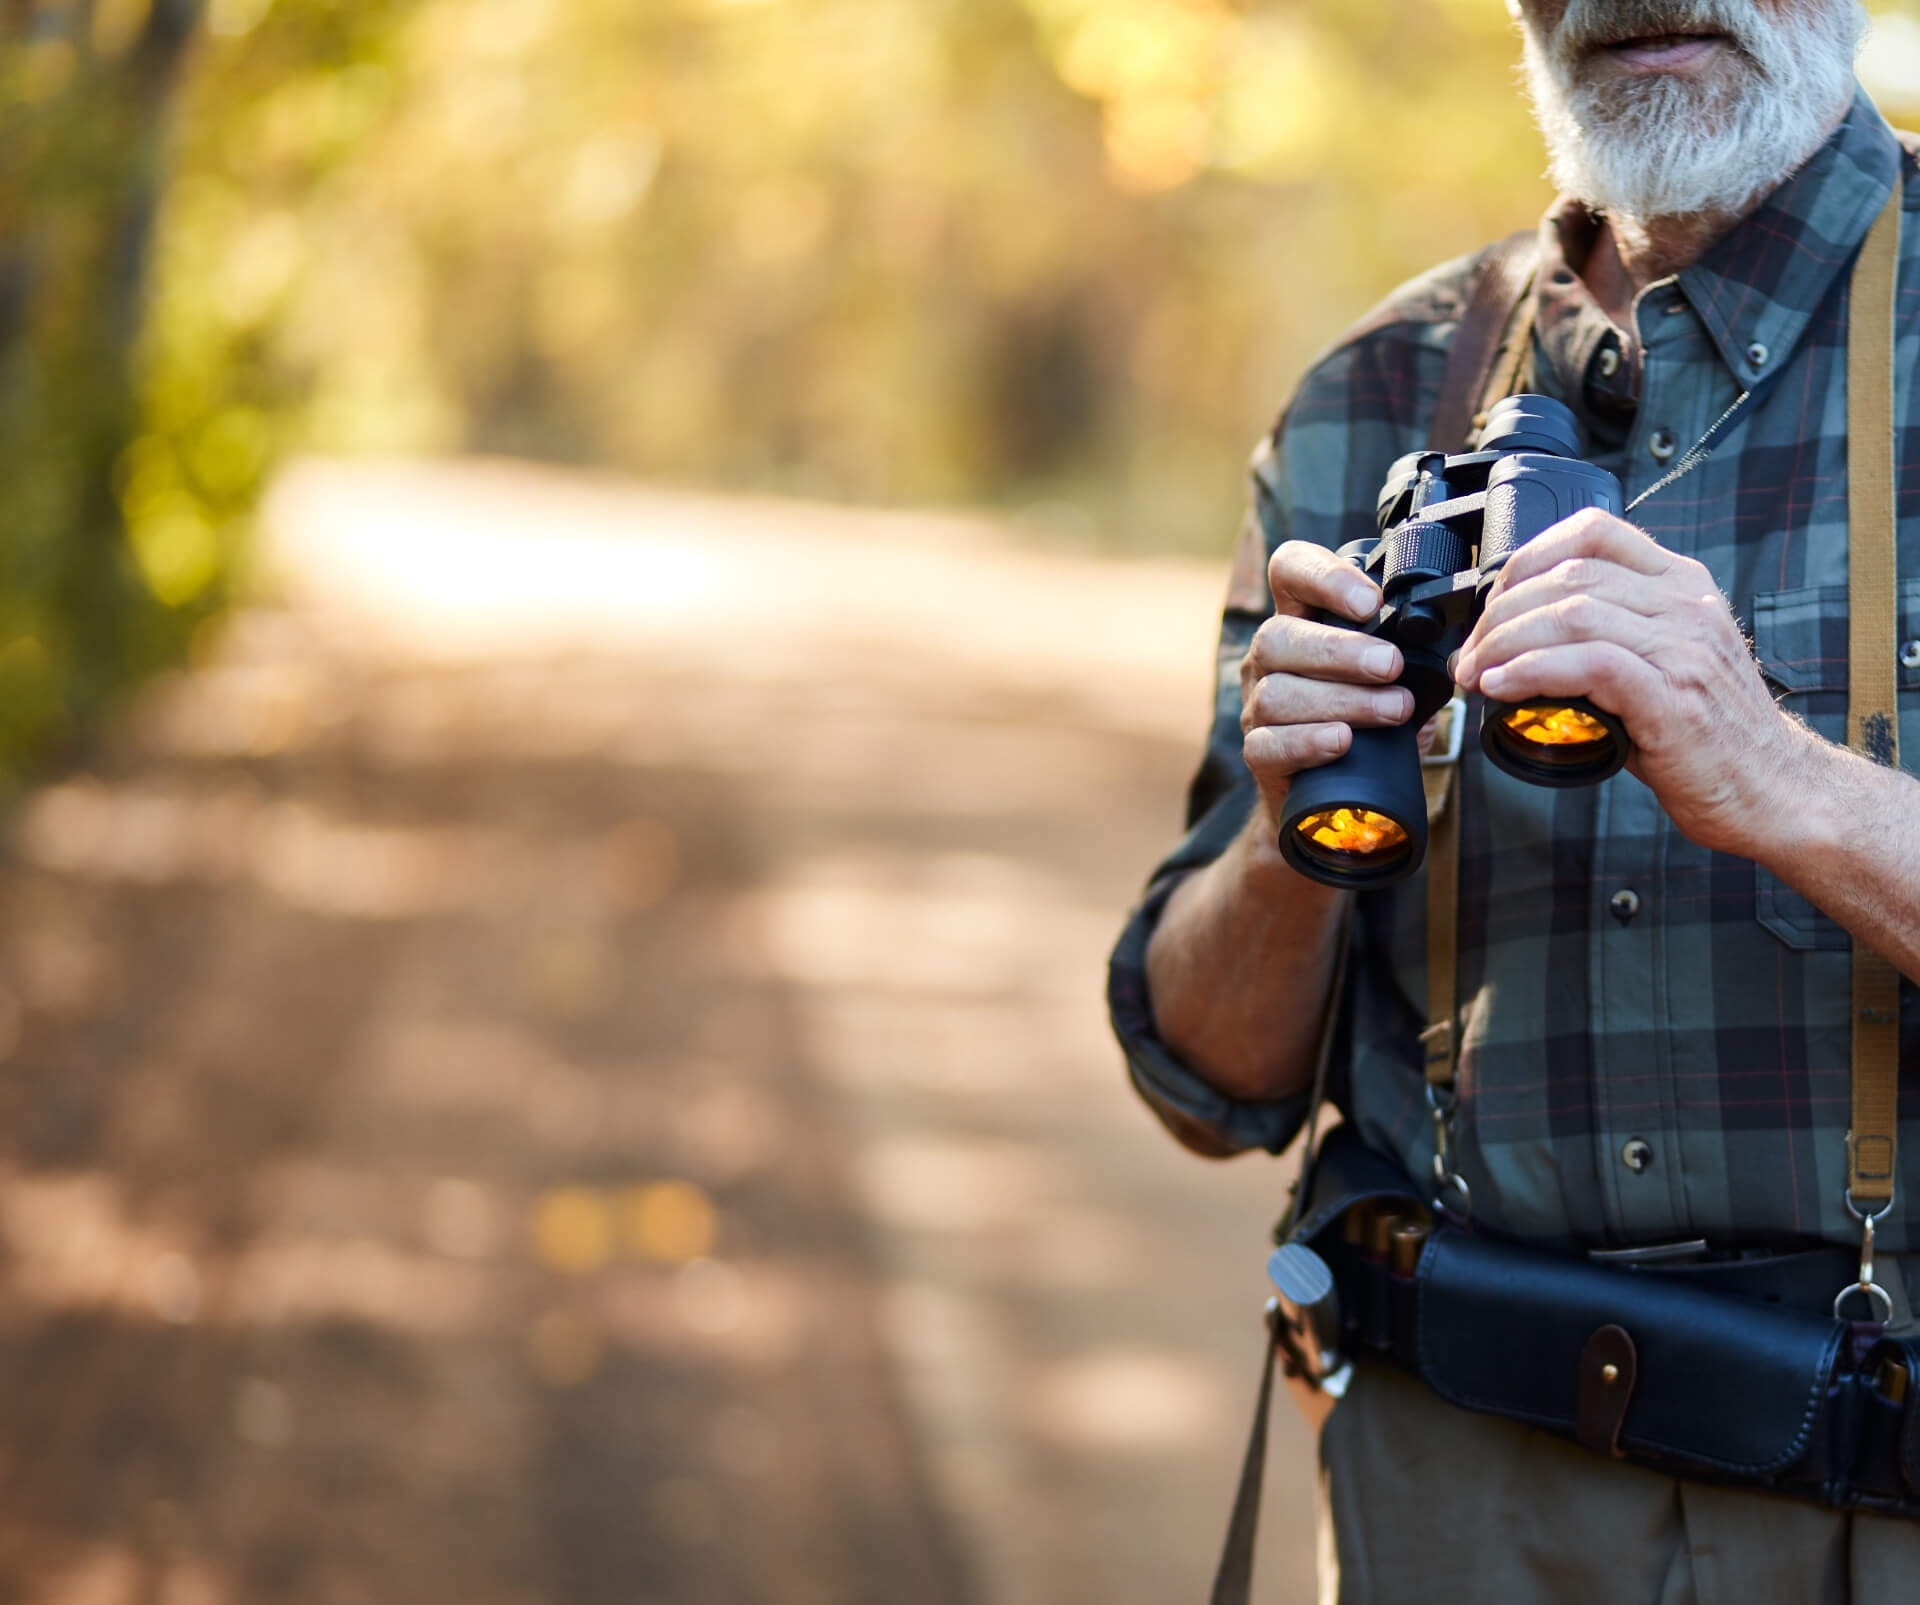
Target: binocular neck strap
{"type": "Point", "coordinates": [1872, 730]}
{"type": "Point", "coordinates": [1491, 351]}
{"type": "Point", "coordinates": [1439, 1040]}
{"type": "Point", "coordinates": [1873, 720]}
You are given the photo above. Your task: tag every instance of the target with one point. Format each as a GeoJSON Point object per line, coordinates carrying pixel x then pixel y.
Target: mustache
{"type": "Point", "coordinates": [1589, 25]}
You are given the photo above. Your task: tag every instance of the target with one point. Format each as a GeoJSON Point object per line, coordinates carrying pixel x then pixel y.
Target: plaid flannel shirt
{"type": "Point", "coordinates": [1709, 1020]}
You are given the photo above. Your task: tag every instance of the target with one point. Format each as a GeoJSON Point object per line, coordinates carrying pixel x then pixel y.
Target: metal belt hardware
{"type": "Point", "coordinates": [1694, 1248]}
{"type": "Point", "coordinates": [1307, 1328]}
{"type": "Point", "coordinates": [1867, 1287]}
{"type": "Point", "coordinates": [1450, 1191]}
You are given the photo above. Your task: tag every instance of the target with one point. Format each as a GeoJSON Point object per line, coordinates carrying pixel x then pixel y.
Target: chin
{"type": "Point", "coordinates": [1651, 133]}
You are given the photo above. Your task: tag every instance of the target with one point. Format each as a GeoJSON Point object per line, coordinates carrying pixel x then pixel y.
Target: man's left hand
{"type": "Point", "coordinates": [1593, 607]}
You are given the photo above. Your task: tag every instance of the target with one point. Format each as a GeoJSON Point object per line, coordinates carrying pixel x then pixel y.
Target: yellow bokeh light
{"type": "Point", "coordinates": [178, 552]}
{"type": "Point", "coordinates": [1279, 105]}
{"type": "Point", "coordinates": [1156, 143]}
{"type": "Point", "coordinates": [573, 1230]}
{"type": "Point", "coordinates": [672, 1221]}
{"type": "Point", "coordinates": [1143, 49]}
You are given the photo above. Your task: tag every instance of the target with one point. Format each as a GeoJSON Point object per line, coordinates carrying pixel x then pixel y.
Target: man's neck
{"type": "Point", "coordinates": [1628, 255]}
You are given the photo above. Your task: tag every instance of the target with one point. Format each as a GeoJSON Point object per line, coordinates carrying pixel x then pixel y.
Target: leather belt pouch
{"type": "Point", "coordinates": [1641, 1366]}
{"type": "Point", "coordinates": [1722, 1371]}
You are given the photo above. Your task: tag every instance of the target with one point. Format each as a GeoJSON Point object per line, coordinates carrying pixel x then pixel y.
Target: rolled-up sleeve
{"type": "Point", "coordinates": [1205, 1120]}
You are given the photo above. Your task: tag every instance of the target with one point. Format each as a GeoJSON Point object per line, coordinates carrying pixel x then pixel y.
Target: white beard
{"type": "Point", "coordinates": [1669, 146]}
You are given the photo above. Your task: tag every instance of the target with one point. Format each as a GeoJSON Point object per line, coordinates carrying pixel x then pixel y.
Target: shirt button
{"type": "Point", "coordinates": [1624, 903]}
{"type": "Point", "coordinates": [1757, 354]}
{"type": "Point", "coordinates": [1637, 1154]}
{"type": "Point", "coordinates": [1609, 362]}
{"type": "Point", "coordinates": [1661, 444]}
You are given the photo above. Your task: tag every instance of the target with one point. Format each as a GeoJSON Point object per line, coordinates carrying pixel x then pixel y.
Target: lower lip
{"type": "Point", "coordinates": [1674, 57]}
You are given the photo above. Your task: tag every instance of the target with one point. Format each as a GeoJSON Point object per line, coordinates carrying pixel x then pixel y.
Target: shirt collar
{"type": "Point", "coordinates": [1757, 289]}
{"type": "Point", "coordinates": [1582, 357]}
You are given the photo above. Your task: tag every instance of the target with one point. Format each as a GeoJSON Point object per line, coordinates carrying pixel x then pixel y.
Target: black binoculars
{"type": "Point", "coordinates": [1448, 526]}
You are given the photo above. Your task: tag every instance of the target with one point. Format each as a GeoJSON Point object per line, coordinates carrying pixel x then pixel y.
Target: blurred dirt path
{"type": "Point", "coordinates": [565, 1063]}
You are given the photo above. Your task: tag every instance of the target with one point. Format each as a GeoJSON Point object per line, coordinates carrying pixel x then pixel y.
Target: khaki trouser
{"type": "Point", "coordinates": [1423, 1502]}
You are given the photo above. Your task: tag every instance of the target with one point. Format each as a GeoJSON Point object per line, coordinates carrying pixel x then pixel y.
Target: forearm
{"type": "Point", "coordinates": [1239, 968]}
{"type": "Point", "coordinates": [1845, 833]}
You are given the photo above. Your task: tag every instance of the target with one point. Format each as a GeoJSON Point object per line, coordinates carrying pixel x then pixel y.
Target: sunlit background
{"type": "Point", "coordinates": [604, 605]}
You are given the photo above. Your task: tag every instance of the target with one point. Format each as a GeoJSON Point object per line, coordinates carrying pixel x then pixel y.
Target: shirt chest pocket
{"type": "Point", "coordinates": [1800, 638]}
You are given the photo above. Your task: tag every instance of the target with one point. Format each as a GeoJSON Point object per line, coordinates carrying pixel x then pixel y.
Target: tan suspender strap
{"type": "Point", "coordinates": [1490, 350]}
{"type": "Point", "coordinates": [1872, 707]}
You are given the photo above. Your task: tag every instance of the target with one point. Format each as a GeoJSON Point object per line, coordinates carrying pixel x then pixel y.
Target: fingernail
{"type": "Point", "coordinates": [1360, 599]}
{"type": "Point", "coordinates": [1492, 681]}
{"type": "Point", "coordinates": [1394, 704]}
{"type": "Point", "coordinates": [1453, 666]}
{"type": "Point", "coordinates": [1331, 740]}
{"type": "Point", "coordinates": [1378, 660]}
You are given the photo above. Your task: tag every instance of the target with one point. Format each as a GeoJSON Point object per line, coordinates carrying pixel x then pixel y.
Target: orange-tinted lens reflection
{"type": "Point", "coordinates": [1352, 830]}
{"type": "Point", "coordinates": [1554, 727]}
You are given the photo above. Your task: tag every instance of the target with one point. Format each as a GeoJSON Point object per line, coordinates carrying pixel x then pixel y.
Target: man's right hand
{"type": "Point", "coordinates": [1304, 685]}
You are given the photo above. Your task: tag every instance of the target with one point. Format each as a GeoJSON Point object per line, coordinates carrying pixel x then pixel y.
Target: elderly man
{"type": "Point", "coordinates": [1654, 997]}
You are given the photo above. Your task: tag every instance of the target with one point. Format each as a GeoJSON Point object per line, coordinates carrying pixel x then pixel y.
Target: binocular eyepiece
{"type": "Point", "coordinates": [1448, 526]}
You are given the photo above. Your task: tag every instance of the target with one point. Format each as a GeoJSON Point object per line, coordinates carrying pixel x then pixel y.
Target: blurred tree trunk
{"type": "Point", "coordinates": [85, 89]}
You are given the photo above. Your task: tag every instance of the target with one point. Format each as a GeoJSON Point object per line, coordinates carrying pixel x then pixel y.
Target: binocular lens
{"type": "Point", "coordinates": [1554, 727]}
{"type": "Point", "coordinates": [1345, 838]}
{"type": "Point", "coordinates": [1554, 742]}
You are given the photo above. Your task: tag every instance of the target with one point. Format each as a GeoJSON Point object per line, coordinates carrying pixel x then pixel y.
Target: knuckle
{"type": "Point", "coordinates": [1579, 574]}
{"type": "Point", "coordinates": [1579, 612]}
{"type": "Point", "coordinates": [1326, 649]}
{"type": "Point", "coordinates": [1293, 562]}
{"type": "Point", "coordinates": [1266, 751]}
{"type": "Point", "coordinates": [1260, 706]}
{"type": "Point", "coordinates": [1609, 671]}
{"type": "Point", "coordinates": [1344, 651]}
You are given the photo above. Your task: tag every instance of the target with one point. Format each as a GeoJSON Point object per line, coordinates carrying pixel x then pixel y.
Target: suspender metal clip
{"type": "Point", "coordinates": [1450, 1193]}
{"type": "Point", "coordinates": [1867, 1287]}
